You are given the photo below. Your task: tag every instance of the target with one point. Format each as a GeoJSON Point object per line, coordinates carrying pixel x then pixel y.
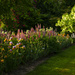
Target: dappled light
{"type": "Point", "coordinates": [61, 69]}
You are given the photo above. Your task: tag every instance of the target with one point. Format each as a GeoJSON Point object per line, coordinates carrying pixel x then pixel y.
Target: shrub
{"type": "Point", "coordinates": [67, 23]}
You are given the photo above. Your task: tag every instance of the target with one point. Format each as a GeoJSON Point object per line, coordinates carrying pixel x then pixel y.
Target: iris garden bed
{"type": "Point", "coordinates": [23, 47]}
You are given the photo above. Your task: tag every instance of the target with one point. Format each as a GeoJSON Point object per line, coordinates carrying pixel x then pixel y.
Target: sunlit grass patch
{"type": "Point", "coordinates": [60, 64]}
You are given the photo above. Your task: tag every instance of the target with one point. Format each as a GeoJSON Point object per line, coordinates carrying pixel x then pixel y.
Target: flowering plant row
{"type": "Point", "coordinates": [16, 49]}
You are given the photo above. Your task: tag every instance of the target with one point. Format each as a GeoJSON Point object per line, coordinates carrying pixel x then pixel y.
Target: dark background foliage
{"type": "Point", "coordinates": [24, 14]}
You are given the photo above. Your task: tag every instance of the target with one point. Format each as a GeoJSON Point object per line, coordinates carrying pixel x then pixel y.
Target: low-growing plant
{"type": "Point", "coordinates": [64, 40]}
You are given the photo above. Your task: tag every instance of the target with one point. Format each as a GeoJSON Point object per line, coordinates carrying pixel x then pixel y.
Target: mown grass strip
{"type": "Point", "coordinates": [60, 64]}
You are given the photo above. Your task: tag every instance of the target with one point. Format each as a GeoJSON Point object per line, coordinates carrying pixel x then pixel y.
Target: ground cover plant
{"type": "Point", "coordinates": [61, 64]}
{"type": "Point", "coordinates": [23, 47]}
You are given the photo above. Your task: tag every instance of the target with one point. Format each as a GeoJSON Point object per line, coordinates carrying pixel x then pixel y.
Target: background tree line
{"type": "Point", "coordinates": [24, 14]}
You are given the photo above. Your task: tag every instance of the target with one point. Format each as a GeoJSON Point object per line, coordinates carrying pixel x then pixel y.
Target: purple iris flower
{"type": "Point", "coordinates": [19, 42]}
{"type": "Point", "coordinates": [19, 38]}
{"type": "Point", "coordinates": [11, 42]}
{"type": "Point", "coordinates": [10, 37]}
{"type": "Point", "coordinates": [10, 49]}
{"type": "Point", "coordinates": [23, 45]}
{"type": "Point", "coordinates": [14, 46]}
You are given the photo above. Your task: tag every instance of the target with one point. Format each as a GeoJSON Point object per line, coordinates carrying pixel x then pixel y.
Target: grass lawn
{"type": "Point", "coordinates": [60, 64]}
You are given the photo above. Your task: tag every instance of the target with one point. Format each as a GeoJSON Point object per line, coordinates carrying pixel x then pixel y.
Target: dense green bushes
{"type": "Point", "coordinates": [24, 14]}
{"type": "Point", "coordinates": [69, 2]}
{"type": "Point", "coordinates": [15, 14]}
